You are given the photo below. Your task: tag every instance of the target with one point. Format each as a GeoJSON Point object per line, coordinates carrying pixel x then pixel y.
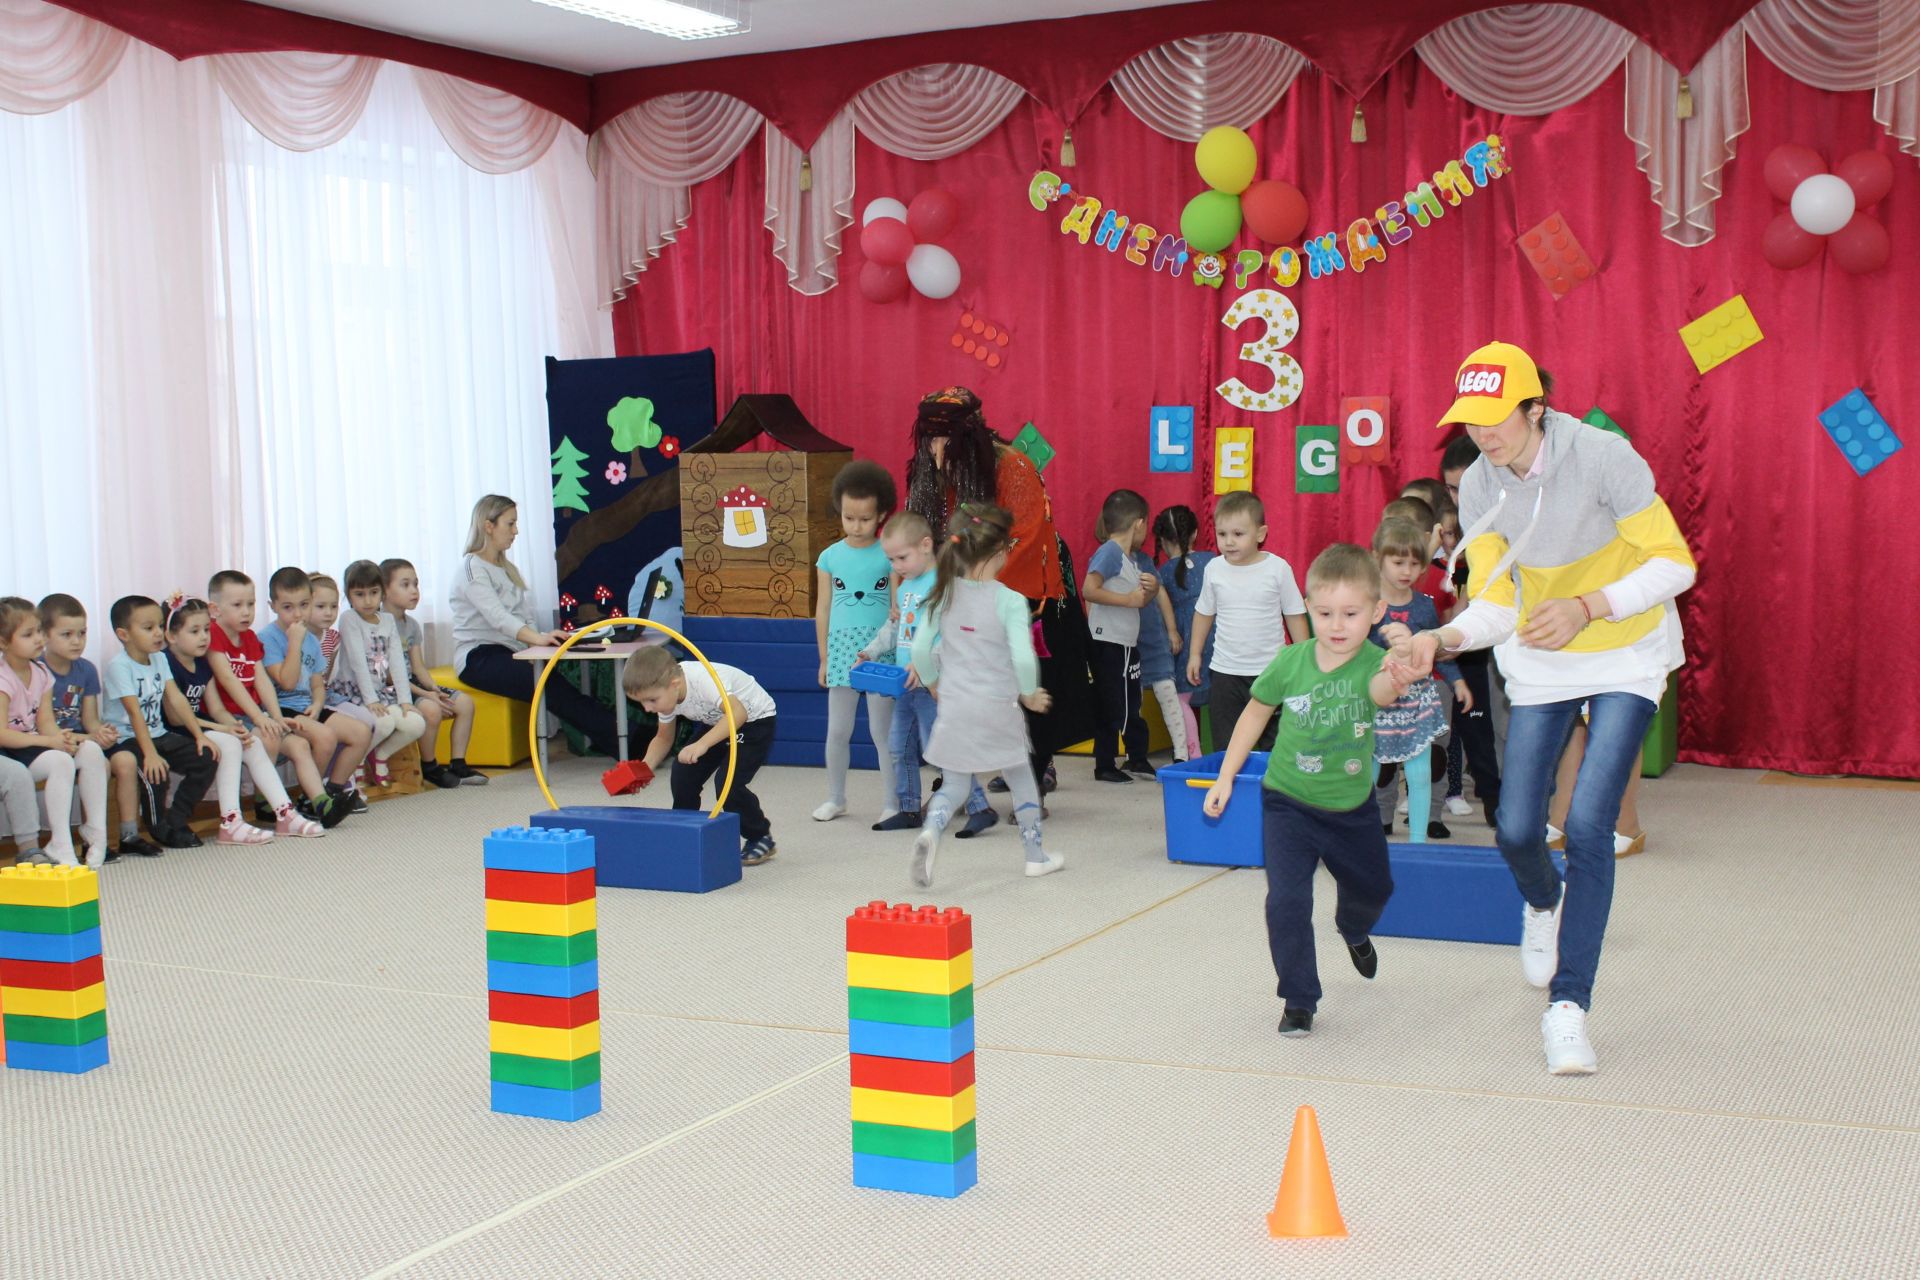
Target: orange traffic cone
{"type": "Point", "coordinates": [1305, 1205]}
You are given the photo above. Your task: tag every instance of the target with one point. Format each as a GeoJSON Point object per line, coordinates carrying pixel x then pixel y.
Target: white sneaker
{"type": "Point", "coordinates": [828, 811]}
{"type": "Point", "coordinates": [1458, 806]}
{"type": "Point", "coordinates": [1563, 1028]}
{"type": "Point", "coordinates": [1540, 942]}
{"type": "Point", "coordinates": [1402, 806]}
{"type": "Point", "coordinates": [1055, 862]}
{"type": "Point", "coordinates": [926, 846]}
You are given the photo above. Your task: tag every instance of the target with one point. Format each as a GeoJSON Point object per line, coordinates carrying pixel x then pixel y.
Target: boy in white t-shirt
{"type": "Point", "coordinates": [1245, 592]}
{"type": "Point", "coordinates": [683, 690]}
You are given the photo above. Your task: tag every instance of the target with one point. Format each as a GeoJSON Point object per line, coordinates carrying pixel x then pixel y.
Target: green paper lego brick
{"type": "Point", "coordinates": [78, 919]}
{"type": "Point", "coordinates": [539, 948]}
{"type": "Point", "coordinates": [546, 1073]}
{"type": "Point", "coordinates": [937, 1146]}
{"type": "Point", "coordinates": [871, 1004]}
{"type": "Point", "coordinates": [75, 1031]}
{"type": "Point", "coordinates": [1316, 459]}
{"type": "Point", "coordinates": [1035, 446]}
{"type": "Point", "coordinates": [1597, 417]}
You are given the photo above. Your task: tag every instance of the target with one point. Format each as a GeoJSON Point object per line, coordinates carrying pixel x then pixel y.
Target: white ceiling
{"type": "Point", "coordinates": [541, 33]}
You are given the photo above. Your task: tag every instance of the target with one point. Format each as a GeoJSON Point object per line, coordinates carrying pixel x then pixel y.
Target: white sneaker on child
{"type": "Point", "coordinates": [1458, 806]}
{"type": "Point", "coordinates": [1540, 942]}
{"type": "Point", "coordinates": [828, 811]}
{"type": "Point", "coordinates": [926, 846]}
{"type": "Point", "coordinates": [1402, 806]}
{"type": "Point", "coordinates": [1563, 1029]}
{"type": "Point", "coordinates": [1055, 862]}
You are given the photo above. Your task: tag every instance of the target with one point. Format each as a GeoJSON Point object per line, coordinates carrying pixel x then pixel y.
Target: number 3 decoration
{"type": "Point", "coordinates": [1282, 322]}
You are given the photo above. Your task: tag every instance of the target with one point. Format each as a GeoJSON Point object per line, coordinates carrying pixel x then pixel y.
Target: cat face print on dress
{"type": "Point", "coordinates": [859, 592]}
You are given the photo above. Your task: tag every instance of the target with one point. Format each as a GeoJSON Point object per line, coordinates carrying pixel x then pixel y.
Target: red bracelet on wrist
{"type": "Point", "coordinates": [1584, 608]}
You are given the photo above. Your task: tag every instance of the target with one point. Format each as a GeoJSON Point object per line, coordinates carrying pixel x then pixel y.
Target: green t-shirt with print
{"type": "Point", "coordinates": [1323, 747]}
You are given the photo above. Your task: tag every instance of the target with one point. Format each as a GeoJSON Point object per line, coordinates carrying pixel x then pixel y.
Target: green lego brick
{"type": "Point", "coordinates": [539, 948]}
{"type": "Point", "coordinates": [1030, 442]}
{"type": "Point", "coordinates": [78, 919]}
{"type": "Point", "coordinates": [75, 1031]}
{"type": "Point", "coordinates": [935, 1145]}
{"type": "Point", "coordinates": [1597, 417]}
{"type": "Point", "coordinates": [546, 1073]}
{"type": "Point", "coordinates": [871, 1004]}
{"type": "Point", "coordinates": [1661, 747]}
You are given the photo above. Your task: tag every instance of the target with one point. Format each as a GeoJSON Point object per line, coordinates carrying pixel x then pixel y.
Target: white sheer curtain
{"type": "Point", "coordinates": [1526, 59]}
{"type": "Point", "coordinates": [1848, 45]}
{"type": "Point", "coordinates": [935, 111]}
{"type": "Point", "coordinates": [1186, 87]}
{"type": "Point", "coordinates": [1682, 155]}
{"type": "Point", "coordinates": [300, 101]}
{"type": "Point", "coordinates": [810, 203]}
{"type": "Point", "coordinates": [50, 56]}
{"type": "Point", "coordinates": [492, 130]}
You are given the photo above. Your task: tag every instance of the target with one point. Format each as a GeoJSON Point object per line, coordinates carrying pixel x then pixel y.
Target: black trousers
{"type": "Point", "coordinates": [493, 667]}
{"type": "Point", "coordinates": [1116, 694]}
{"type": "Point", "coordinates": [1227, 699]}
{"type": "Point", "coordinates": [1297, 838]}
{"type": "Point", "coordinates": [1474, 729]}
{"type": "Point", "coordinates": [185, 762]}
{"type": "Point", "coordinates": [755, 739]}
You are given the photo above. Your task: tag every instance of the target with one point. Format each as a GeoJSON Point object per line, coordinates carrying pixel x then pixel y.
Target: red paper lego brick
{"type": "Point", "coordinates": [1557, 256]}
{"type": "Point", "coordinates": [901, 1075]}
{"type": "Point", "coordinates": [49, 975]}
{"type": "Point", "coordinates": [923, 933]}
{"type": "Point", "coordinates": [540, 886]}
{"type": "Point", "coordinates": [1366, 431]}
{"type": "Point", "coordinates": [543, 1011]}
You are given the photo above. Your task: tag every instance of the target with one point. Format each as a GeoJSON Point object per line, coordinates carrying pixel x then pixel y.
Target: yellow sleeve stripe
{"type": "Point", "coordinates": [1483, 553]}
{"type": "Point", "coordinates": [1655, 536]}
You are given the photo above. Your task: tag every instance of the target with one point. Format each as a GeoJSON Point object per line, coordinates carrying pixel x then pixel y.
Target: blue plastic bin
{"type": "Point", "coordinates": [878, 677]}
{"type": "Point", "coordinates": [1232, 839]}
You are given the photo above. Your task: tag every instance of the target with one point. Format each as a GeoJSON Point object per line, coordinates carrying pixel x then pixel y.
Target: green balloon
{"type": "Point", "coordinates": [1210, 221]}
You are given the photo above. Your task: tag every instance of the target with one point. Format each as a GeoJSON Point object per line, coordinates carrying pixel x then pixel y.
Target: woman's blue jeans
{"type": "Point", "coordinates": [1537, 734]}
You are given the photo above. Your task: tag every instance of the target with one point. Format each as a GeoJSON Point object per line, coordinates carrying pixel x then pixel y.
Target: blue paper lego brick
{"type": "Point", "coordinates": [539, 848]}
{"type": "Point", "coordinates": [1231, 840]}
{"type": "Point", "coordinates": [679, 850]}
{"type": "Point", "coordinates": [546, 1104]}
{"type": "Point", "coordinates": [920, 1177]}
{"type": "Point", "coordinates": [898, 1040]}
{"type": "Point", "coordinates": [54, 948]}
{"type": "Point", "coordinates": [70, 1059]}
{"type": "Point", "coordinates": [543, 979]}
{"type": "Point", "coordinates": [1864, 438]}
{"type": "Point", "coordinates": [1452, 893]}
{"type": "Point", "coordinates": [878, 677]}
{"type": "Point", "coordinates": [1174, 452]}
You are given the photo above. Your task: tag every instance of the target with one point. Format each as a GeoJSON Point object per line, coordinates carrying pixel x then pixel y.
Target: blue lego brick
{"type": "Point", "coordinates": [679, 850]}
{"type": "Point", "coordinates": [539, 847]}
{"type": "Point", "coordinates": [878, 677]}
{"type": "Point", "coordinates": [69, 1059]}
{"type": "Point", "coordinates": [920, 1177]}
{"type": "Point", "coordinates": [566, 980]}
{"type": "Point", "coordinates": [1230, 840]}
{"type": "Point", "coordinates": [1864, 438]}
{"type": "Point", "coordinates": [898, 1040]}
{"type": "Point", "coordinates": [1170, 438]}
{"type": "Point", "coordinates": [703, 631]}
{"type": "Point", "coordinates": [546, 1104]}
{"type": "Point", "coordinates": [1452, 893]}
{"type": "Point", "coordinates": [53, 948]}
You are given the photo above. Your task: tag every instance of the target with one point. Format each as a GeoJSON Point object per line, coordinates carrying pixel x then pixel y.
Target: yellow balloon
{"type": "Point", "coordinates": [1226, 159]}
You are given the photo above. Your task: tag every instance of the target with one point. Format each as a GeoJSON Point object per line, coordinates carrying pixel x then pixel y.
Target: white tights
{"type": "Point", "coordinates": [841, 706]}
{"type": "Point", "coordinates": [61, 772]}
{"type": "Point", "coordinates": [1173, 713]}
{"type": "Point", "coordinates": [392, 732]}
{"type": "Point", "coordinates": [259, 765]}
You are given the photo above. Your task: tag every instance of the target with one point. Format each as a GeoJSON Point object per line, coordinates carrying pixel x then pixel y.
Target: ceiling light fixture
{"type": "Point", "coordinates": [681, 19]}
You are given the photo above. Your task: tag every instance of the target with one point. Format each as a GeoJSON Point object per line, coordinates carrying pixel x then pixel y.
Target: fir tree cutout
{"type": "Point", "coordinates": [567, 472]}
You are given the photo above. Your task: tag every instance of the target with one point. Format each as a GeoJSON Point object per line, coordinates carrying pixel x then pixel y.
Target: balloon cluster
{"type": "Point", "coordinates": [1825, 208]}
{"type": "Point", "coordinates": [900, 243]}
{"type": "Point", "coordinates": [1273, 210]}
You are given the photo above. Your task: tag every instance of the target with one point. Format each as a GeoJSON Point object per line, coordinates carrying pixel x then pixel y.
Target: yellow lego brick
{"type": "Point", "coordinates": [555, 920]}
{"type": "Point", "coordinates": [1721, 334]}
{"type": "Point", "coordinates": [904, 973]}
{"type": "Point", "coordinates": [563, 1044]}
{"type": "Point", "coordinates": [48, 886]}
{"type": "Point", "coordinates": [913, 1110]}
{"type": "Point", "coordinates": [31, 1002]}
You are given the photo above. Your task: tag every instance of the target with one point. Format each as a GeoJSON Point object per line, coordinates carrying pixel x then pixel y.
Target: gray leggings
{"type": "Point", "coordinates": [841, 706]}
{"type": "Point", "coordinates": [1026, 804]}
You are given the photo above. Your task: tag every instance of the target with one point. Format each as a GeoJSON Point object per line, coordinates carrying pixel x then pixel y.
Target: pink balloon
{"type": "Point", "coordinates": [882, 283]}
{"type": "Point", "coordinates": [1869, 173]}
{"type": "Point", "coordinates": [1790, 164]}
{"type": "Point", "coordinates": [932, 214]}
{"type": "Point", "coordinates": [886, 241]}
{"type": "Point", "coordinates": [1786, 246]}
{"type": "Point", "coordinates": [1862, 245]}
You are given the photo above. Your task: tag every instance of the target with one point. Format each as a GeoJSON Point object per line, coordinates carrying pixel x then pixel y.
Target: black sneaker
{"type": "Point", "coordinates": [328, 810]}
{"type": "Point", "coordinates": [905, 820]}
{"type": "Point", "coordinates": [755, 852]}
{"type": "Point", "coordinates": [978, 824]}
{"type": "Point", "coordinates": [1110, 774]}
{"type": "Point", "coordinates": [1387, 827]}
{"type": "Point", "coordinates": [1142, 767]}
{"type": "Point", "coordinates": [439, 775]}
{"type": "Point", "coordinates": [466, 774]}
{"type": "Point", "coordinates": [355, 802]}
{"type": "Point", "coordinates": [998, 786]}
{"type": "Point", "coordinates": [173, 837]}
{"type": "Point", "coordinates": [1438, 831]}
{"type": "Point", "coordinates": [1365, 959]}
{"type": "Point", "coordinates": [1295, 1023]}
{"type": "Point", "coordinates": [140, 847]}
{"type": "Point", "coordinates": [1049, 781]}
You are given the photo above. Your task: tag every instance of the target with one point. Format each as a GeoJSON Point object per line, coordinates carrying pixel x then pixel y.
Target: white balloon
{"type": "Point", "coordinates": [933, 271]}
{"type": "Point", "coordinates": [1822, 204]}
{"type": "Point", "coordinates": [884, 207]}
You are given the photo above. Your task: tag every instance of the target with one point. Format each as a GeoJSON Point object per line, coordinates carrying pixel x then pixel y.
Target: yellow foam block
{"type": "Point", "coordinates": [561, 1043]}
{"type": "Point", "coordinates": [499, 738]}
{"type": "Point", "coordinates": [1721, 334]}
{"type": "Point", "coordinates": [30, 1002]}
{"type": "Point", "coordinates": [904, 973]}
{"type": "Point", "coordinates": [555, 920]}
{"type": "Point", "coordinates": [48, 886]}
{"type": "Point", "coordinates": [914, 1110]}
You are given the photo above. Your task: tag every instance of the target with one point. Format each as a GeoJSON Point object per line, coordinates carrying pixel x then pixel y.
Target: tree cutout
{"type": "Point", "coordinates": [633, 424]}
{"type": "Point", "coordinates": [567, 473]}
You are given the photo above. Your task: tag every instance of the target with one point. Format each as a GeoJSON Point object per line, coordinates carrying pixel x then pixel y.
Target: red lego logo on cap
{"type": "Point", "coordinates": [1482, 380]}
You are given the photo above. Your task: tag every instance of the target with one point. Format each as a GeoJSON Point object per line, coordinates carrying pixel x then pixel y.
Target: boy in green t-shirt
{"type": "Point", "coordinates": [1316, 804]}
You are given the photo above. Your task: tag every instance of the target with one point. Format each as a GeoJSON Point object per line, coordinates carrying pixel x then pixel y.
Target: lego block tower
{"type": "Point", "coordinates": [52, 986]}
{"type": "Point", "coordinates": [910, 1034]}
{"type": "Point", "coordinates": [543, 973]}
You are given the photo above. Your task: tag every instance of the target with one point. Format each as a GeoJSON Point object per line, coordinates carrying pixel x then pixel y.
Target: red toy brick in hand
{"type": "Point", "coordinates": [626, 777]}
{"type": "Point", "coordinates": [1557, 256]}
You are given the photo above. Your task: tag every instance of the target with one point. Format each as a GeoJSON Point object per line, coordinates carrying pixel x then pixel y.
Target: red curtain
{"type": "Point", "coordinates": [1783, 529]}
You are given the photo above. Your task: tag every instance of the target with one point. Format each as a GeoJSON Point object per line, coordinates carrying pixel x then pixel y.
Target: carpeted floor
{"type": "Point", "coordinates": [299, 1077]}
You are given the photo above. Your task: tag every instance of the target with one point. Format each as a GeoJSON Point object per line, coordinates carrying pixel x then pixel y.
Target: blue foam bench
{"type": "Point", "coordinates": [679, 850]}
{"type": "Point", "coordinates": [1230, 840]}
{"type": "Point", "coordinates": [1453, 893]}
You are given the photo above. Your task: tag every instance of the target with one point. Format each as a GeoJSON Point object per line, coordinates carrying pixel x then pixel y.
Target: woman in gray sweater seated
{"type": "Point", "coordinates": [491, 622]}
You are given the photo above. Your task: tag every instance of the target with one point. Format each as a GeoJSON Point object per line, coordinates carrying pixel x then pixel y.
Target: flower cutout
{"type": "Point", "coordinates": [669, 446]}
{"type": "Point", "coordinates": [633, 424]}
{"type": "Point", "coordinates": [616, 472]}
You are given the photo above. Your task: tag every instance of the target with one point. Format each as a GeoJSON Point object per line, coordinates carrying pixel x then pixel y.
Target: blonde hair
{"type": "Point", "coordinates": [649, 669]}
{"type": "Point", "coordinates": [1345, 565]}
{"type": "Point", "coordinates": [485, 512]}
{"type": "Point", "coordinates": [1398, 537]}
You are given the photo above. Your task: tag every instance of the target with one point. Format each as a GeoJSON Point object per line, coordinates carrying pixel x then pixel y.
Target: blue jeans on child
{"type": "Point", "coordinates": [1536, 736]}
{"type": "Point", "coordinates": [913, 714]}
{"type": "Point", "coordinates": [1297, 838]}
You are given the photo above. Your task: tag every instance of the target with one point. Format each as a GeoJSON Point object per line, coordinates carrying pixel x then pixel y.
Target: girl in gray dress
{"type": "Point", "coordinates": [975, 651]}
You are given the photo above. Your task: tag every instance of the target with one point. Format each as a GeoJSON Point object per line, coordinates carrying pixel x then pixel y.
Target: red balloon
{"type": "Point", "coordinates": [1862, 245]}
{"type": "Point", "coordinates": [1869, 173]}
{"type": "Point", "coordinates": [1274, 210]}
{"type": "Point", "coordinates": [1788, 165]}
{"type": "Point", "coordinates": [881, 282]}
{"type": "Point", "coordinates": [1786, 246]}
{"type": "Point", "coordinates": [932, 214]}
{"type": "Point", "coordinates": [887, 241]}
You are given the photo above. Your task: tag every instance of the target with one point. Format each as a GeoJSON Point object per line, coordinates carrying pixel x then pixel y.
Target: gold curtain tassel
{"type": "Point", "coordinates": [806, 173]}
{"type": "Point", "coordinates": [1066, 150]}
{"type": "Point", "coordinates": [1359, 124]}
{"type": "Point", "coordinates": [1683, 106]}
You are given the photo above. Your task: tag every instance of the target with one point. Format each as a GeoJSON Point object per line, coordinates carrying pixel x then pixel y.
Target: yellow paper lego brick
{"type": "Point", "coordinates": [905, 973]}
{"type": "Point", "coordinates": [561, 1043]}
{"type": "Point", "coordinates": [555, 920]}
{"type": "Point", "coordinates": [31, 1002]}
{"type": "Point", "coordinates": [48, 886]}
{"type": "Point", "coordinates": [1232, 460]}
{"type": "Point", "coordinates": [913, 1110]}
{"type": "Point", "coordinates": [1721, 334]}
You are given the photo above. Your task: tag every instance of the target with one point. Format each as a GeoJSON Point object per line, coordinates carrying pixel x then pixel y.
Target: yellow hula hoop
{"type": "Point", "coordinates": [540, 687]}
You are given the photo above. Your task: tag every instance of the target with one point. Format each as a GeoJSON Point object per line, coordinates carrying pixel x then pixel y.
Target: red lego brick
{"type": "Point", "coordinates": [902, 1075]}
{"type": "Point", "coordinates": [50, 975]}
{"type": "Point", "coordinates": [1366, 431]}
{"type": "Point", "coordinates": [626, 777]}
{"type": "Point", "coordinates": [540, 886]}
{"type": "Point", "coordinates": [923, 933]}
{"type": "Point", "coordinates": [1557, 256]}
{"type": "Point", "coordinates": [564, 1012]}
